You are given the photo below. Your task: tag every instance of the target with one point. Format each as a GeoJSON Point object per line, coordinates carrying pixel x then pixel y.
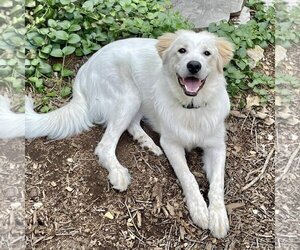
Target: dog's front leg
{"type": "Point", "coordinates": [214, 164]}
{"type": "Point", "coordinates": [194, 200]}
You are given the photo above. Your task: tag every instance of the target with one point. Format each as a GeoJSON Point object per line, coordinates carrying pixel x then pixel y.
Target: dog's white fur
{"type": "Point", "coordinates": [12, 125]}
{"type": "Point", "coordinates": [134, 79]}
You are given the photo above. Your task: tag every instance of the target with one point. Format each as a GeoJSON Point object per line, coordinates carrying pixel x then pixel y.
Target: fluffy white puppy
{"type": "Point", "coordinates": [176, 84]}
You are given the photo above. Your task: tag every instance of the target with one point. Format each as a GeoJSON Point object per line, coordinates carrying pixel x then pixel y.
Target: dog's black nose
{"type": "Point", "coordinates": [194, 66]}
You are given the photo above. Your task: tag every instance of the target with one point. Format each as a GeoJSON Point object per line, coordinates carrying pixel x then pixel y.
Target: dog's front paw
{"type": "Point", "coordinates": [199, 212]}
{"type": "Point", "coordinates": [151, 146]}
{"type": "Point", "coordinates": [218, 221]}
{"type": "Point", "coordinates": [119, 178]}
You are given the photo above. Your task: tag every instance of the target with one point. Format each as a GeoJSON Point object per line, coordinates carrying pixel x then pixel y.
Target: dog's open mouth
{"type": "Point", "coordinates": [191, 85]}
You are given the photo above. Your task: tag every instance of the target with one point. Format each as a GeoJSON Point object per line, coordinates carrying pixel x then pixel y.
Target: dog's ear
{"type": "Point", "coordinates": [225, 49]}
{"type": "Point", "coordinates": [164, 42]}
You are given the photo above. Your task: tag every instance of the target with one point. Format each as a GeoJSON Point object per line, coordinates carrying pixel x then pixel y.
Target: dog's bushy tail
{"type": "Point", "coordinates": [12, 125]}
{"type": "Point", "coordinates": [61, 123]}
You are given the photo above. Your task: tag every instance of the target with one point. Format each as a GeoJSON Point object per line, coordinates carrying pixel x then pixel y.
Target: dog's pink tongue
{"type": "Point", "coordinates": [191, 84]}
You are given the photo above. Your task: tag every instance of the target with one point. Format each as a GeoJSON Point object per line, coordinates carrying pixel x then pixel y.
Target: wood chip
{"type": "Point", "coordinates": [230, 207]}
{"type": "Point", "coordinates": [182, 232]}
{"type": "Point", "coordinates": [139, 219]}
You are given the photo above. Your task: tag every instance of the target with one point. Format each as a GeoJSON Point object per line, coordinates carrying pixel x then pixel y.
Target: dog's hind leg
{"type": "Point", "coordinates": [118, 122]}
{"type": "Point", "coordinates": [140, 135]}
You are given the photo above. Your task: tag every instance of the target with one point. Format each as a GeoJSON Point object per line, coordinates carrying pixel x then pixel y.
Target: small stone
{"type": "Point", "coordinates": [53, 184]}
{"type": "Point", "coordinates": [15, 205]}
{"type": "Point", "coordinates": [244, 16]}
{"type": "Point", "coordinates": [70, 160]}
{"type": "Point", "coordinates": [109, 215]}
{"type": "Point", "coordinates": [37, 205]}
{"type": "Point", "coordinates": [69, 189]}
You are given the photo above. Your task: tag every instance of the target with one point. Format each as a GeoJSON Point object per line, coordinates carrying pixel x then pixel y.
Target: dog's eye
{"type": "Point", "coordinates": [182, 50]}
{"type": "Point", "coordinates": [207, 53]}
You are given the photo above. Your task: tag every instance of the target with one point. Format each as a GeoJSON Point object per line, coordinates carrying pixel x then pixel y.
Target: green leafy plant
{"type": "Point", "coordinates": [61, 29]}
{"type": "Point", "coordinates": [258, 31]}
{"type": "Point", "coordinates": [58, 29]}
{"type": "Point", "coordinates": [287, 24]}
{"type": "Point", "coordinates": [285, 86]}
{"type": "Point", "coordinates": [12, 45]}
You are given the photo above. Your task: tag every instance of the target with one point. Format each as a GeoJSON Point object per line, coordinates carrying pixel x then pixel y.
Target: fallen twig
{"type": "Point", "coordinates": [257, 178]}
{"type": "Point", "coordinates": [288, 165]}
{"type": "Point", "coordinates": [130, 215]}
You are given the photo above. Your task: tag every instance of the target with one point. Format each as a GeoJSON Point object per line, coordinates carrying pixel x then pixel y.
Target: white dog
{"type": "Point", "coordinates": [176, 84]}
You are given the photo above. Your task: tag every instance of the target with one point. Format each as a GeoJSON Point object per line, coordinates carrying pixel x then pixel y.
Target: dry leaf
{"type": "Point", "coordinates": [182, 232]}
{"type": "Point", "coordinates": [269, 121]}
{"type": "Point", "coordinates": [280, 54]}
{"type": "Point", "coordinates": [261, 115]}
{"type": "Point", "coordinates": [278, 101]}
{"type": "Point", "coordinates": [256, 54]}
{"type": "Point", "coordinates": [170, 209]}
{"type": "Point", "coordinates": [237, 114]}
{"type": "Point", "coordinates": [157, 194]}
{"type": "Point", "coordinates": [252, 100]}
{"type": "Point", "coordinates": [208, 246]}
{"type": "Point", "coordinates": [293, 121]}
{"type": "Point", "coordinates": [165, 212]}
{"type": "Point", "coordinates": [284, 115]}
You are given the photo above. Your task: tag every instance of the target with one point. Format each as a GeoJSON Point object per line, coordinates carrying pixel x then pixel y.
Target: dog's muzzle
{"type": "Point", "coordinates": [191, 84]}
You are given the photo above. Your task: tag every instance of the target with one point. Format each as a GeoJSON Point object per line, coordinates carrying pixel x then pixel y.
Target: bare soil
{"type": "Point", "coordinates": [71, 205]}
{"type": "Point", "coordinates": [68, 195]}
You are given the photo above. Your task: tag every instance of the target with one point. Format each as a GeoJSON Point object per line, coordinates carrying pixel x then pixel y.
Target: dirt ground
{"type": "Point", "coordinates": [71, 205]}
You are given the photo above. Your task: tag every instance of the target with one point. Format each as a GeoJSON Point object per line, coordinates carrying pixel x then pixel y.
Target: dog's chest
{"type": "Point", "coordinates": [192, 128]}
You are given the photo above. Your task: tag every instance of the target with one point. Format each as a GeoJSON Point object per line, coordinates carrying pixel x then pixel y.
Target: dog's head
{"type": "Point", "coordinates": [192, 57]}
